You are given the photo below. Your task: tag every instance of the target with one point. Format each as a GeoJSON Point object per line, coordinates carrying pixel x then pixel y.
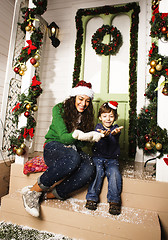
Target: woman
{"type": "Point", "coordinates": [71, 126]}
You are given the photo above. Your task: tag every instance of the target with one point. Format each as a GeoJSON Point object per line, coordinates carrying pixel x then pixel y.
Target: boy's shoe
{"type": "Point", "coordinates": [92, 205]}
{"type": "Point", "coordinates": [114, 208]}
{"type": "Point", "coordinates": [31, 201]}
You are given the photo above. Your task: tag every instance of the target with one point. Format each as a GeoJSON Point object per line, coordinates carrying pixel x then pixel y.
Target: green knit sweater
{"type": "Point", "coordinates": [58, 130]}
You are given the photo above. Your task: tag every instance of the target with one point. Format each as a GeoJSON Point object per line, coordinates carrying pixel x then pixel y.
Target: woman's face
{"type": "Point", "coordinates": [82, 102]}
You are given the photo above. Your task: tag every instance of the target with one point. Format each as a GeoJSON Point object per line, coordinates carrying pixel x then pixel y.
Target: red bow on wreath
{"type": "Point", "coordinates": [83, 83]}
{"type": "Point", "coordinates": [35, 82]}
{"type": "Point", "coordinates": [28, 131]}
{"type": "Point", "coordinates": [30, 46]}
{"type": "Point", "coordinates": [16, 107]}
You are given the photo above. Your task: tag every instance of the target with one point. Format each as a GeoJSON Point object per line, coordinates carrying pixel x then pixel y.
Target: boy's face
{"type": "Point", "coordinates": [107, 119]}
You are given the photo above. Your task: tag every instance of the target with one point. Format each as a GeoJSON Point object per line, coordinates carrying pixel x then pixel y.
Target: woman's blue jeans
{"type": "Point", "coordinates": [75, 167]}
{"type": "Point", "coordinates": [109, 168]}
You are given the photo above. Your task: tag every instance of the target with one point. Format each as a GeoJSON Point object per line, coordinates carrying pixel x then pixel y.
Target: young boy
{"type": "Point", "coordinates": [105, 157]}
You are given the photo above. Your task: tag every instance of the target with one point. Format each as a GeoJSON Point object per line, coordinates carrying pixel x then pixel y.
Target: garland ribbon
{"type": "Point", "coordinates": [18, 105]}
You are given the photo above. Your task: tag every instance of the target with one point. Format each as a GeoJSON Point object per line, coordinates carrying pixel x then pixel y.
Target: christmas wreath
{"type": "Point", "coordinates": [106, 49]}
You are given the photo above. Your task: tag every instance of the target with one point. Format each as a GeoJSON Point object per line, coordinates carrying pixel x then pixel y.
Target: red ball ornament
{"type": "Point", "coordinates": [27, 114]}
{"type": "Point", "coordinates": [16, 70]}
{"type": "Point", "coordinates": [164, 29]}
{"type": "Point", "coordinates": [147, 138]}
{"type": "Point", "coordinates": [32, 61]}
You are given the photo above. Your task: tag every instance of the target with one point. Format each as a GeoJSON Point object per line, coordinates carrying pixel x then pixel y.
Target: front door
{"type": "Point", "coordinates": [110, 75]}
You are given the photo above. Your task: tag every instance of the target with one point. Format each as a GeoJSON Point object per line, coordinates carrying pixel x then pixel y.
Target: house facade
{"type": "Point", "coordinates": [122, 76]}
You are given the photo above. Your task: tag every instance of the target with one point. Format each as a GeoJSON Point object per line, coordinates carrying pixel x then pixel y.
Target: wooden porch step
{"type": "Point", "coordinates": [72, 219]}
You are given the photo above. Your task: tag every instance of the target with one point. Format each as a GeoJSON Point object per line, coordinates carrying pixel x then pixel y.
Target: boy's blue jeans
{"type": "Point", "coordinates": [75, 167]}
{"type": "Point", "coordinates": [109, 168]}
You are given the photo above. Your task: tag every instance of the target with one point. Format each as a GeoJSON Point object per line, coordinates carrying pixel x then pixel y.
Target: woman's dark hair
{"type": "Point", "coordinates": [71, 116]}
{"type": "Point", "coordinates": [106, 109]}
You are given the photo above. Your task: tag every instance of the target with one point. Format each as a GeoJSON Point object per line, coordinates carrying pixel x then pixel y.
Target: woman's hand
{"type": "Point", "coordinates": [92, 136]}
{"type": "Point", "coordinates": [116, 130]}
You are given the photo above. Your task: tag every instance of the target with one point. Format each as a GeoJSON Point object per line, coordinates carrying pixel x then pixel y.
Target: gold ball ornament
{"type": "Point", "coordinates": [28, 106]}
{"type": "Point", "coordinates": [35, 108]}
{"type": "Point", "coordinates": [23, 67]}
{"type": "Point", "coordinates": [19, 151]}
{"type": "Point", "coordinates": [153, 63]}
{"type": "Point", "coordinates": [33, 28]}
{"type": "Point", "coordinates": [159, 67]}
{"type": "Point", "coordinates": [152, 144]}
{"type": "Point", "coordinates": [28, 28]}
{"type": "Point", "coordinates": [36, 64]}
{"type": "Point", "coordinates": [37, 57]}
{"type": "Point", "coordinates": [23, 145]}
{"type": "Point", "coordinates": [21, 72]}
{"type": "Point", "coordinates": [158, 146]}
{"type": "Point", "coordinates": [152, 70]}
{"type": "Point", "coordinates": [148, 146]}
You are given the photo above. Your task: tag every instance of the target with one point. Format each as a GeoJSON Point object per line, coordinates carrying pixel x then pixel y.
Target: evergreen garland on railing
{"type": "Point", "coordinates": [27, 103]}
{"type": "Point", "coordinates": [151, 138]}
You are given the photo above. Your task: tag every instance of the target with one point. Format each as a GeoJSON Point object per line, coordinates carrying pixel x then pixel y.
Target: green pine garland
{"type": "Point", "coordinates": [149, 134]}
{"type": "Point", "coordinates": [27, 103]}
{"type": "Point", "coordinates": [133, 57]}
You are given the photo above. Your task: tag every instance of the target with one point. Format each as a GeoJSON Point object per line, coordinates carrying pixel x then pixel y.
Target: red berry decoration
{"type": "Point", "coordinates": [32, 61]}
{"type": "Point", "coordinates": [27, 114]}
{"type": "Point", "coordinates": [16, 70]}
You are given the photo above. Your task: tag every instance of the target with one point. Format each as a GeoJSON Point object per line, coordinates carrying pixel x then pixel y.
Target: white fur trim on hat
{"type": "Point", "coordinates": [82, 90]}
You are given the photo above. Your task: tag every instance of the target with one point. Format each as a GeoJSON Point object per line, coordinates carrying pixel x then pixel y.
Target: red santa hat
{"type": "Point", "coordinates": [82, 88]}
{"type": "Point", "coordinates": [113, 104]}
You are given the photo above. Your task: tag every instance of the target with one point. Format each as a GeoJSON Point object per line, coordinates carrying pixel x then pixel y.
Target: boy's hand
{"type": "Point", "coordinates": [117, 130]}
{"type": "Point", "coordinates": [106, 133]}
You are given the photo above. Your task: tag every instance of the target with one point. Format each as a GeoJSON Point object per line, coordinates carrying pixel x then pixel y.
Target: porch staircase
{"type": "Point", "coordinates": [138, 220]}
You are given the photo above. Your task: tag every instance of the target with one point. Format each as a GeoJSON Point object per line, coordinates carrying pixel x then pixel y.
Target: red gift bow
{"type": "Point", "coordinates": [84, 84]}
{"type": "Point", "coordinates": [35, 82]}
{"type": "Point", "coordinates": [30, 46]}
{"type": "Point", "coordinates": [16, 107]}
{"type": "Point", "coordinates": [28, 131]}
